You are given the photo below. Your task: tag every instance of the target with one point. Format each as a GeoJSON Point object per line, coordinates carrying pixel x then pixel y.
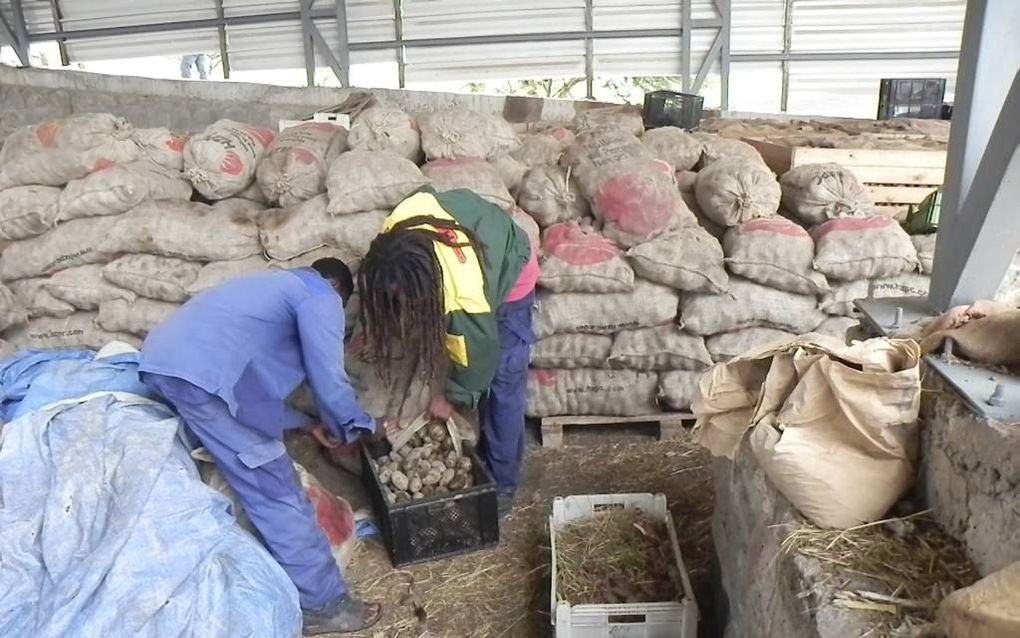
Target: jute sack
{"type": "Point", "coordinates": [153, 276]}
{"type": "Point", "coordinates": [624, 118]}
{"type": "Point", "coordinates": [577, 258]}
{"type": "Point", "coordinates": [188, 230]}
{"type": "Point", "coordinates": [833, 427]}
{"type": "Point", "coordinates": [572, 350]}
{"type": "Point", "coordinates": [74, 243]}
{"type": "Point", "coordinates": [386, 128]}
{"type": "Point", "coordinates": [678, 389]}
{"type": "Point", "coordinates": [675, 146]}
{"type": "Point", "coordinates": [923, 244]}
{"type": "Point", "coordinates": [774, 252]}
{"type": "Point", "coordinates": [687, 258]}
{"type": "Point", "coordinates": [990, 608]}
{"type": "Point", "coordinates": [137, 317]}
{"type": "Point", "coordinates": [638, 200]}
{"type": "Point", "coordinates": [12, 312]}
{"type": "Point", "coordinates": [840, 300]}
{"type": "Point", "coordinates": [253, 193]}
{"type": "Point", "coordinates": [816, 193]}
{"type": "Point", "coordinates": [542, 148]}
{"type": "Point", "coordinates": [217, 272]}
{"type": "Point", "coordinates": [686, 181]}
{"type": "Point", "coordinates": [84, 287]}
{"type": "Point", "coordinates": [734, 190]}
{"type": "Point", "coordinates": [120, 188]}
{"type": "Point", "coordinates": [456, 133]}
{"type": "Point", "coordinates": [37, 301]}
{"type": "Point", "coordinates": [161, 146]}
{"type": "Point", "coordinates": [646, 305]}
{"type": "Point", "coordinates": [595, 151]}
{"type": "Point", "coordinates": [740, 343]}
{"type": "Point", "coordinates": [240, 208]}
{"type": "Point", "coordinates": [663, 347]}
{"type": "Point", "coordinates": [221, 160]}
{"type": "Point", "coordinates": [53, 153]}
{"type": "Point", "coordinates": [837, 327]}
{"type": "Point", "coordinates": [294, 166]}
{"type": "Point", "coordinates": [469, 173]}
{"type": "Point", "coordinates": [747, 304]}
{"type": "Point", "coordinates": [78, 330]}
{"type": "Point", "coordinates": [291, 232]}
{"type": "Point", "coordinates": [370, 180]}
{"type": "Point", "coordinates": [27, 211]}
{"type": "Point", "coordinates": [551, 195]}
{"type": "Point", "coordinates": [853, 248]}
{"type": "Point", "coordinates": [717, 148]}
{"type": "Point", "coordinates": [591, 391]}
{"type": "Point", "coordinates": [511, 171]}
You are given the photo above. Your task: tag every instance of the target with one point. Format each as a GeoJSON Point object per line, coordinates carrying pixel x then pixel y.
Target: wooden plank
{"type": "Point", "coordinates": [667, 417]}
{"type": "Point", "coordinates": [899, 175]}
{"type": "Point", "coordinates": [900, 194]}
{"type": "Point", "coordinates": [850, 157]}
{"type": "Point", "coordinates": [552, 435]}
{"type": "Point", "coordinates": [778, 157]}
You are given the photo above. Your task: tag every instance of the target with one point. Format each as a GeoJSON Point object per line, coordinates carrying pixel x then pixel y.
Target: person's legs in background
{"type": "Point", "coordinates": [202, 62]}
{"type": "Point", "coordinates": [502, 411]}
{"type": "Point", "coordinates": [186, 63]}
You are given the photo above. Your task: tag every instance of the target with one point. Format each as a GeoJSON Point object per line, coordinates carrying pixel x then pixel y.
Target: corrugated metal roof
{"type": "Point", "coordinates": [877, 25]}
{"type": "Point", "coordinates": [495, 62]}
{"type": "Point", "coordinates": [457, 18]}
{"type": "Point", "coordinates": [756, 26]}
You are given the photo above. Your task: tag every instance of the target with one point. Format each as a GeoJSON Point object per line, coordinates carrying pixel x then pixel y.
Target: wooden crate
{"type": "Point", "coordinates": [671, 425]}
{"type": "Point", "coordinates": [896, 178]}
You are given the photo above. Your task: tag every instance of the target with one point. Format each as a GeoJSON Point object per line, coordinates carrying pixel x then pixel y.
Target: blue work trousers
{"type": "Point", "coordinates": [502, 410]}
{"type": "Point", "coordinates": [259, 470]}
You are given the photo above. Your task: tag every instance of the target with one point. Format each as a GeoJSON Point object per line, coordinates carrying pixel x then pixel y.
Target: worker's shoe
{"type": "Point", "coordinates": [346, 615]}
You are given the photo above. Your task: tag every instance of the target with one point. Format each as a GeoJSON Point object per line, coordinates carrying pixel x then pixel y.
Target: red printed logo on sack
{"type": "Point", "coordinates": [303, 155]}
{"type": "Point", "coordinates": [232, 164]}
{"type": "Point", "coordinates": [263, 135]}
{"type": "Point", "coordinates": [102, 164]}
{"type": "Point", "coordinates": [852, 224]}
{"type": "Point", "coordinates": [334, 516]}
{"type": "Point", "coordinates": [321, 126]}
{"type": "Point", "coordinates": [47, 133]}
{"type": "Point", "coordinates": [776, 226]}
{"type": "Point", "coordinates": [176, 143]}
{"type": "Point", "coordinates": [637, 204]}
{"type": "Point", "coordinates": [546, 378]}
{"type": "Point", "coordinates": [578, 246]}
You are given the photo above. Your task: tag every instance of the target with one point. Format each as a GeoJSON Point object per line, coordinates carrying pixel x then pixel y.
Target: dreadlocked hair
{"type": "Point", "coordinates": [400, 285]}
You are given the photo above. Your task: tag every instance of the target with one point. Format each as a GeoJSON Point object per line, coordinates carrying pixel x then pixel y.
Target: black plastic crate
{"type": "Point", "coordinates": [436, 527]}
{"type": "Point", "coordinates": [919, 98]}
{"type": "Point", "coordinates": [669, 108]}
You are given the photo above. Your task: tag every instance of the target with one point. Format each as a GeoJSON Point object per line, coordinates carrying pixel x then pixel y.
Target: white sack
{"type": "Point", "coordinates": [853, 248]}
{"type": "Point", "coordinates": [739, 343]}
{"type": "Point", "coordinates": [456, 133]}
{"type": "Point", "coordinates": [221, 160]}
{"type": "Point", "coordinates": [578, 258]}
{"type": "Point", "coordinates": [78, 330]}
{"type": "Point", "coordinates": [294, 165]}
{"type": "Point", "coordinates": [84, 287]}
{"type": "Point", "coordinates": [748, 304]}
{"type": "Point", "coordinates": [572, 350]}
{"type": "Point", "coordinates": [840, 301]}
{"type": "Point", "coordinates": [686, 258]}
{"type": "Point", "coordinates": [37, 301]}
{"type": "Point", "coordinates": [153, 276]}
{"type": "Point", "coordinates": [120, 188]}
{"type": "Point", "coordinates": [74, 243]}
{"type": "Point", "coordinates": [734, 190]}
{"type": "Point", "coordinates": [816, 193]}
{"type": "Point", "coordinates": [590, 391]}
{"type": "Point", "coordinates": [675, 146]}
{"type": "Point", "coordinates": [678, 389]}
{"type": "Point", "coordinates": [646, 305]}
{"type": "Point", "coordinates": [386, 128]}
{"type": "Point", "coordinates": [774, 252]}
{"type": "Point", "coordinates": [137, 317]}
{"type": "Point", "coordinates": [469, 173]}
{"type": "Point", "coordinates": [551, 195]}
{"type": "Point", "coordinates": [370, 180]}
{"type": "Point", "coordinates": [663, 347]}
{"type": "Point", "coordinates": [27, 211]}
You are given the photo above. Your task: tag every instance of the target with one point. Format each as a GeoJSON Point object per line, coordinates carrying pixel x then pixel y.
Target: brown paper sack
{"type": "Point", "coordinates": [834, 426]}
{"type": "Point", "coordinates": [990, 608]}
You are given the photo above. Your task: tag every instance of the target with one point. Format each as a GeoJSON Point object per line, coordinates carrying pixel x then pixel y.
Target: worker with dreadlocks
{"type": "Point", "coordinates": [451, 280]}
{"type": "Point", "coordinates": [227, 361]}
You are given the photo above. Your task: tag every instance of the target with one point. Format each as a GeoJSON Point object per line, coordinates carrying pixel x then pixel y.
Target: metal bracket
{"type": "Point", "coordinates": [895, 316]}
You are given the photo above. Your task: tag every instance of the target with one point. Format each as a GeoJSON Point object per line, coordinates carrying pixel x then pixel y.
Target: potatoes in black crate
{"type": "Point", "coordinates": [427, 465]}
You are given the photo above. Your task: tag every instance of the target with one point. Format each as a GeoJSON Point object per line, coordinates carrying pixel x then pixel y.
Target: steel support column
{"type": "Point", "coordinates": [589, 49]}
{"type": "Point", "coordinates": [398, 27]}
{"type": "Point", "coordinates": [978, 235]}
{"type": "Point", "coordinates": [222, 33]}
{"type": "Point", "coordinates": [685, 45]}
{"type": "Point", "coordinates": [16, 32]}
{"type": "Point", "coordinates": [724, 54]}
{"type": "Point", "coordinates": [307, 43]}
{"type": "Point", "coordinates": [343, 51]}
{"type": "Point", "coordinates": [784, 96]}
{"type": "Point", "coordinates": [58, 17]}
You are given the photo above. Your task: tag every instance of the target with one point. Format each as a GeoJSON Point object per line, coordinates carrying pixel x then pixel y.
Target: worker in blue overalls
{"type": "Point", "coordinates": [227, 361]}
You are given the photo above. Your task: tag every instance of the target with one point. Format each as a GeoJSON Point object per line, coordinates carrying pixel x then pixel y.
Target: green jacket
{"type": "Point", "coordinates": [473, 287]}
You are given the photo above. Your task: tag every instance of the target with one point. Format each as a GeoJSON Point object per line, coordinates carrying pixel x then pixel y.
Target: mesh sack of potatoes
{"type": "Point", "coordinates": [837, 327]}
{"type": "Point", "coordinates": [675, 146]}
{"type": "Point", "coordinates": [840, 300]}
{"type": "Point", "coordinates": [551, 195]}
{"type": "Point", "coordinates": [854, 248]}
{"type": "Point", "coordinates": [544, 147]}
{"type": "Point", "coordinates": [37, 301]}
{"type": "Point", "coordinates": [717, 148]}
{"type": "Point", "coordinates": [117, 189]}
{"type": "Point", "coordinates": [74, 243]}
{"type": "Point", "coordinates": [511, 171]}
{"type": "Point", "coordinates": [153, 276]}
{"type": "Point", "coordinates": [12, 311]}
{"type": "Point", "coordinates": [581, 391]}
{"type": "Point", "coordinates": [161, 146]}
{"type": "Point", "coordinates": [456, 133]}
{"type": "Point", "coordinates": [386, 128]}
{"type": "Point", "coordinates": [686, 258]}
{"type": "Point", "coordinates": [85, 288]}
{"type": "Point", "coordinates": [295, 163]}
{"type": "Point", "coordinates": [774, 252]}
{"type": "Point", "coordinates": [816, 193]}
{"type": "Point", "coordinates": [678, 389]}
{"type": "Point", "coordinates": [469, 173]}
{"type": "Point", "coordinates": [370, 180]}
{"type": "Point", "coordinates": [572, 350]}
{"type": "Point", "coordinates": [291, 232]}
{"type": "Point", "coordinates": [923, 244]}
{"type": "Point", "coordinates": [530, 227]}
{"type": "Point", "coordinates": [663, 347]}
{"type": "Point", "coordinates": [735, 190]}
{"type": "Point", "coordinates": [748, 304]}
{"type": "Point", "coordinates": [577, 258]}
{"type": "Point", "coordinates": [595, 151]}
{"type": "Point", "coordinates": [136, 317]}
{"type": "Point", "coordinates": [78, 330]}
{"type": "Point", "coordinates": [624, 118]}
{"type": "Point", "coordinates": [217, 272]}
{"type": "Point", "coordinates": [54, 152]}
{"type": "Point", "coordinates": [646, 305]}
{"type": "Point", "coordinates": [28, 211]}
{"type": "Point", "coordinates": [221, 160]}
{"type": "Point", "coordinates": [737, 343]}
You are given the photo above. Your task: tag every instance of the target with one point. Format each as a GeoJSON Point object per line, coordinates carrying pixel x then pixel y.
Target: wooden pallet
{"type": "Point", "coordinates": [896, 178]}
{"type": "Point", "coordinates": [671, 425]}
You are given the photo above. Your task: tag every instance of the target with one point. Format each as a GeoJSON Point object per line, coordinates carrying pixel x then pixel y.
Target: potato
{"type": "Point", "coordinates": [402, 496]}
{"type": "Point", "coordinates": [413, 456]}
{"type": "Point", "coordinates": [424, 467]}
{"type": "Point", "coordinates": [385, 475]}
{"type": "Point", "coordinates": [458, 483]}
{"type": "Point", "coordinates": [446, 445]}
{"type": "Point", "coordinates": [438, 466]}
{"type": "Point", "coordinates": [391, 498]}
{"type": "Point", "coordinates": [427, 450]}
{"type": "Point", "coordinates": [436, 431]}
{"type": "Point", "coordinates": [447, 476]}
{"type": "Point", "coordinates": [442, 489]}
{"type": "Point", "coordinates": [399, 480]}
{"type": "Point", "coordinates": [451, 459]}
{"type": "Point", "coordinates": [464, 463]}
{"type": "Point", "coordinates": [417, 496]}
{"type": "Point", "coordinates": [432, 477]}
{"type": "Point", "coordinates": [428, 491]}
{"type": "Point", "coordinates": [414, 483]}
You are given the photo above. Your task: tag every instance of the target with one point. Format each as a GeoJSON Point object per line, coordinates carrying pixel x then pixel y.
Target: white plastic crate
{"type": "Point", "coordinates": [632, 620]}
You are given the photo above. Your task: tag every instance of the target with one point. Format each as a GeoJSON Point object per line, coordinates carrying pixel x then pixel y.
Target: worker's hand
{"type": "Point", "coordinates": [321, 434]}
{"type": "Point", "coordinates": [440, 408]}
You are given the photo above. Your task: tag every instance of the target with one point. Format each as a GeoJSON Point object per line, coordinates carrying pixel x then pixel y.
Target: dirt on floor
{"type": "Point", "coordinates": [504, 592]}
